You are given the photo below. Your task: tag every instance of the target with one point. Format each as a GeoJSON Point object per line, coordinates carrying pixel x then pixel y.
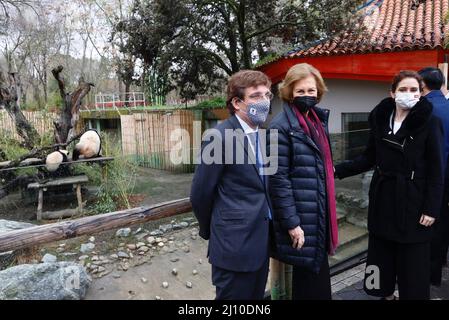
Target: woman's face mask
{"type": "Point", "coordinates": [407, 93]}
{"type": "Point", "coordinates": [305, 103]}
{"type": "Point", "coordinates": [406, 100]}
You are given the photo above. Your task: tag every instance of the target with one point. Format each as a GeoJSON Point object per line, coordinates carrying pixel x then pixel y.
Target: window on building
{"type": "Point", "coordinates": [355, 133]}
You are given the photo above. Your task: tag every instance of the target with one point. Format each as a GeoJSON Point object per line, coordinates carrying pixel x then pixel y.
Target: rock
{"type": "Point", "coordinates": [95, 258]}
{"type": "Point", "coordinates": [165, 250]}
{"type": "Point", "coordinates": [101, 269]}
{"type": "Point", "coordinates": [195, 272]}
{"type": "Point", "coordinates": [188, 219]}
{"type": "Point", "coordinates": [124, 266]}
{"type": "Point", "coordinates": [156, 233]}
{"type": "Point", "coordinates": [69, 254]}
{"type": "Point", "coordinates": [122, 255]}
{"type": "Point", "coordinates": [174, 259]}
{"type": "Point", "coordinates": [158, 298]}
{"type": "Point", "coordinates": [47, 281]}
{"type": "Point", "coordinates": [193, 237]}
{"type": "Point", "coordinates": [144, 280]}
{"type": "Point", "coordinates": [151, 240]}
{"type": "Point", "coordinates": [158, 239]}
{"type": "Point", "coordinates": [194, 232]}
{"type": "Point", "coordinates": [200, 261]}
{"type": "Point", "coordinates": [364, 204]}
{"type": "Point", "coordinates": [181, 225]}
{"type": "Point", "coordinates": [62, 245]}
{"type": "Point", "coordinates": [6, 258]}
{"type": "Point", "coordinates": [186, 249]}
{"type": "Point", "coordinates": [123, 233]}
{"type": "Point", "coordinates": [166, 228]}
{"type": "Point", "coordinates": [92, 239]}
{"type": "Point", "coordinates": [194, 224]}
{"type": "Point", "coordinates": [131, 246]}
{"type": "Point", "coordinates": [139, 230]}
{"type": "Point", "coordinates": [116, 276]}
{"type": "Point", "coordinates": [144, 249]}
{"type": "Point", "coordinates": [140, 244]}
{"type": "Point", "coordinates": [87, 247]}
{"type": "Point", "coordinates": [174, 272]}
{"type": "Point", "coordinates": [49, 258]}
{"type": "Point", "coordinates": [165, 284]}
{"type": "Point", "coordinates": [189, 284]}
{"type": "Point", "coordinates": [83, 257]}
{"type": "Point", "coordinates": [142, 236]}
{"type": "Point", "coordinates": [60, 250]}
{"type": "Point", "coordinates": [113, 256]}
{"type": "Point", "coordinates": [160, 244]}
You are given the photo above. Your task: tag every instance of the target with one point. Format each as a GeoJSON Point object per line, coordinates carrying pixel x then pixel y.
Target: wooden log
{"type": "Point", "coordinates": [38, 235]}
{"type": "Point", "coordinates": [53, 215]}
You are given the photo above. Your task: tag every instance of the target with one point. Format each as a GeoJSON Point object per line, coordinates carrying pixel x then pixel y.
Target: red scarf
{"type": "Point", "coordinates": [321, 140]}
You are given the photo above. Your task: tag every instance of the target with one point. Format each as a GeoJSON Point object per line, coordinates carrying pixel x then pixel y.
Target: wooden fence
{"type": "Point", "coordinates": [147, 138]}
{"type": "Point", "coordinates": [42, 121]}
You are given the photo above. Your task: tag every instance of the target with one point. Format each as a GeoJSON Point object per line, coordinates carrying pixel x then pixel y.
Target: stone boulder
{"type": "Point", "coordinates": [46, 281]}
{"type": "Point", "coordinates": [5, 226]}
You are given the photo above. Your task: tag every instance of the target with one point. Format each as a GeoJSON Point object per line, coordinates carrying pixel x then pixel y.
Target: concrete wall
{"type": "Point", "coordinates": [345, 96]}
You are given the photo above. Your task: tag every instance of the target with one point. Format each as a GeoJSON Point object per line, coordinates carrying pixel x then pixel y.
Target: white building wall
{"type": "Point", "coordinates": [346, 96]}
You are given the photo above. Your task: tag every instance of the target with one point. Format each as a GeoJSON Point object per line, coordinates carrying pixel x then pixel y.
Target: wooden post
{"type": "Point", "coordinates": [40, 204]}
{"type": "Point", "coordinates": [78, 196]}
{"type": "Point", "coordinates": [275, 279]}
{"type": "Point", "coordinates": [288, 281]}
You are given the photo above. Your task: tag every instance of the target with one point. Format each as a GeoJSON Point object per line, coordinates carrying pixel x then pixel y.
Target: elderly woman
{"type": "Point", "coordinates": [405, 147]}
{"type": "Point", "coordinates": [302, 191]}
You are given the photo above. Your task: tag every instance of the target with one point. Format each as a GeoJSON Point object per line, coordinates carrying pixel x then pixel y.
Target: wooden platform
{"type": "Point", "coordinates": [76, 181]}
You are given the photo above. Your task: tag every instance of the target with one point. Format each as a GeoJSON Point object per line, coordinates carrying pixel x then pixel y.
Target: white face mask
{"type": "Point", "coordinates": [406, 100]}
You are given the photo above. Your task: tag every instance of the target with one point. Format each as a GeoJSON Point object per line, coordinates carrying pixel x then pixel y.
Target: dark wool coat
{"type": "Point", "coordinates": [408, 176]}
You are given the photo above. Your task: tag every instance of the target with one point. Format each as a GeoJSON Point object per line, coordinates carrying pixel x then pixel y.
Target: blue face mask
{"type": "Point", "coordinates": [257, 112]}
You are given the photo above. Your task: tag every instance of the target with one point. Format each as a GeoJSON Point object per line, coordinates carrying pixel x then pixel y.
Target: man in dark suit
{"type": "Point", "coordinates": [229, 192]}
{"type": "Point", "coordinates": [433, 80]}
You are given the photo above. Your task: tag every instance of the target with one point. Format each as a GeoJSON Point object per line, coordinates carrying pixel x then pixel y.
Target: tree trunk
{"type": "Point", "coordinates": [65, 126]}
{"type": "Point", "coordinates": [9, 98]}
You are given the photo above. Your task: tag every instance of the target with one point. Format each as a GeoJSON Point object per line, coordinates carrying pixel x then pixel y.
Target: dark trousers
{"type": "Point", "coordinates": [440, 242]}
{"type": "Point", "coordinates": [407, 264]}
{"type": "Point", "coordinates": [231, 285]}
{"type": "Point", "coordinates": [307, 285]}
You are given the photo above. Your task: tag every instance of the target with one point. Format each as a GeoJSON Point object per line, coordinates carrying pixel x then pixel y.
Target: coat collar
{"type": "Point", "coordinates": [414, 122]}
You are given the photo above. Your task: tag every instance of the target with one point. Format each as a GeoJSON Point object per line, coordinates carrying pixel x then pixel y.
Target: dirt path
{"type": "Point", "coordinates": [145, 282]}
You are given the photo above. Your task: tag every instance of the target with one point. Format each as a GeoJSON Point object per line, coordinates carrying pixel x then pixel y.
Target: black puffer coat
{"type": "Point", "coordinates": [298, 192]}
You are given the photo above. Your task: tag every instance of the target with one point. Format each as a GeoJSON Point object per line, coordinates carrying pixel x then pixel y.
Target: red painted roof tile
{"type": "Point", "coordinates": [391, 25]}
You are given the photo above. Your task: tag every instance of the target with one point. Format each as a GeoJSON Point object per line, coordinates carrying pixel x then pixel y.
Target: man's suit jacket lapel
{"type": "Point", "coordinates": [244, 141]}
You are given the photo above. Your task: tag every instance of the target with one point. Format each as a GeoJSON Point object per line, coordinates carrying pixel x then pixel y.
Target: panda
{"type": "Point", "coordinates": [89, 146]}
{"type": "Point", "coordinates": [54, 159]}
